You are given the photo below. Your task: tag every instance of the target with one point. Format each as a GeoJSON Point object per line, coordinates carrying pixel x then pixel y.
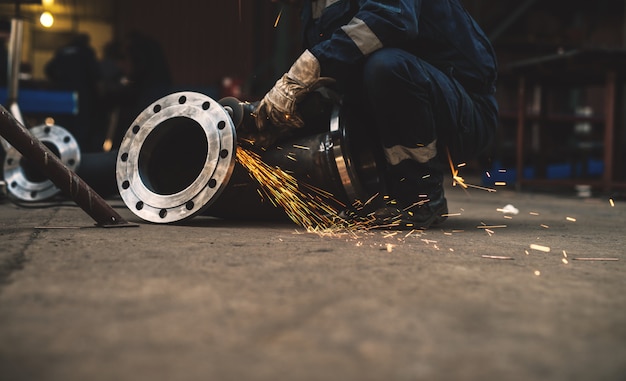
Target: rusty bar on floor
{"type": "Point", "coordinates": [64, 178]}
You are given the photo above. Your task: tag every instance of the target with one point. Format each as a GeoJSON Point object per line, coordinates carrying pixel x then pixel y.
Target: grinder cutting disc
{"type": "Point", "coordinates": [176, 157]}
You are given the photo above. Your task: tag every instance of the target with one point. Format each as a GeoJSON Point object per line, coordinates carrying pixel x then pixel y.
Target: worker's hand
{"type": "Point", "coordinates": [278, 107]}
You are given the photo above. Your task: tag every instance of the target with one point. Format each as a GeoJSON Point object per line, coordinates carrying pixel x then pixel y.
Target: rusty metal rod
{"type": "Point", "coordinates": [64, 178]}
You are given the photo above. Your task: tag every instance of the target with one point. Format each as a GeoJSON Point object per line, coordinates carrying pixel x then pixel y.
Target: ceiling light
{"type": "Point", "coordinates": [46, 19]}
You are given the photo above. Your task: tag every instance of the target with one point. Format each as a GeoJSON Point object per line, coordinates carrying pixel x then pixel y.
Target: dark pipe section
{"type": "Point", "coordinates": [98, 170]}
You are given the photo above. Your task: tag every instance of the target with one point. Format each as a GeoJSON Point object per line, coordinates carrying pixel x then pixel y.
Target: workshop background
{"type": "Point", "coordinates": [240, 47]}
{"type": "Point", "coordinates": [517, 285]}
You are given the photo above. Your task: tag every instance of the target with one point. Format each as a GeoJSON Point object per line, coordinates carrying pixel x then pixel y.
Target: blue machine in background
{"type": "Point", "coordinates": [40, 101]}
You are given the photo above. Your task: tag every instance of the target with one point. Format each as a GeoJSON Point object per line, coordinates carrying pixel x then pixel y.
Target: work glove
{"type": "Point", "coordinates": [276, 113]}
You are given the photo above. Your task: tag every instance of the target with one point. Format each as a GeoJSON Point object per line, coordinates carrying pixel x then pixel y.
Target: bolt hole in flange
{"type": "Point", "coordinates": [27, 182]}
{"type": "Point", "coordinates": [176, 158]}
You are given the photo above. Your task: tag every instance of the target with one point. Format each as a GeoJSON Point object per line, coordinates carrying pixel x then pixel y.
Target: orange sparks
{"type": "Point", "coordinates": [544, 249]}
{"type": "Point", "coordinates": [459, 180]}
{"type": "Point", "coordinates": [596, 259]}
{"type": "Point", "coordinates": [409, 233]}
{"type": "Point", "coordinates": [317, 210]}
{"type": "Point", "coordinates": [282, 190]}
{"type": "Point", "coordinates": [490, 227]}
{"type": "Point", "coordinates": [276, 23]}
{"type": "Point", "coordinates": [496, 257]}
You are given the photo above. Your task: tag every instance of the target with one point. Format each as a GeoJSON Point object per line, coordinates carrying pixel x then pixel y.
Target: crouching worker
{"type": "Point", "coordinates": [422, 71]}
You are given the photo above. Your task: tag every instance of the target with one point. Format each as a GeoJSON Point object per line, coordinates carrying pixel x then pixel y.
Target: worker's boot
{"type": "Point", "coordinates": [416, 199]}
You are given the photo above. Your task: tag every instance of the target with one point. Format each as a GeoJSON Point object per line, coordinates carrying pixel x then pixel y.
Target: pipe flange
{"type": "Point", "coordinates": [28, 184]}
{"type": "Point", "coordinates": [176, 158]}
{"type": "Point", "coordinates": [343, 158]}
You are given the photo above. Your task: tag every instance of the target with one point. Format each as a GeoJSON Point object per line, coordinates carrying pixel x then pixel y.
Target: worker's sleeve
{"type": "Point", "coordinates": [376, 24]}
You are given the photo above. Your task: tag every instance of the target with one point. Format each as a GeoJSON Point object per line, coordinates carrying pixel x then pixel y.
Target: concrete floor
{"type": "Point", "coordinates": [225, 300]}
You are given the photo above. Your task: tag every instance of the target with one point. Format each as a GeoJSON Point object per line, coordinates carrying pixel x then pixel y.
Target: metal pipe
{"type": "Point", "coordinates": [178, 159]}
{"type": "Point", "coordinates": [15, 58]}
{"type": "Point", "coordinates": [53, 168]}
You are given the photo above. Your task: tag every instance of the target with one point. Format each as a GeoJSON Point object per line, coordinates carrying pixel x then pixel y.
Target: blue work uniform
{"type": "Point", "coordinates": [423, 70]}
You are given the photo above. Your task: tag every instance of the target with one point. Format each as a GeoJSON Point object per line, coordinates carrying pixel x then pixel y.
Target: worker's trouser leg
{"type": "Point", "coordinates": [418, 110]}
